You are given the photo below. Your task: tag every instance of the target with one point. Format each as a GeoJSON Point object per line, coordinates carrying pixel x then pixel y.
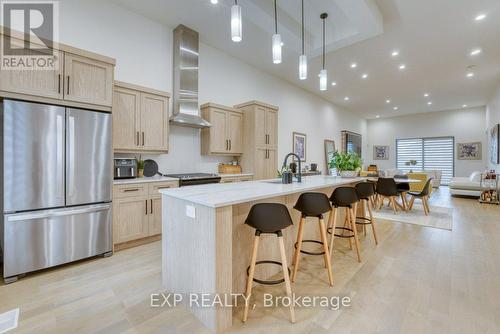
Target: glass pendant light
{"type": "Point", "coordinates": [236, 35]}
{"type": "Point", "coordinates": [323, 74]}
{"type": "Point", "coordinates": [303, 57]}
{"type": "Point", "coordinates": [276, 38]}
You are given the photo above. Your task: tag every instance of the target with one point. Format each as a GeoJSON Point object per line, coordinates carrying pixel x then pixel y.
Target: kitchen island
{"type": "Point", "coordinates": [206, 246]}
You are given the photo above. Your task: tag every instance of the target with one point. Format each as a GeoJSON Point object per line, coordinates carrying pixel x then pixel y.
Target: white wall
{"type": "Point", "coordinates": [142, 49]}
{"type": "Point", "coordinates": [465, 125]}
{"type": "Point", "coordinates": [493, 118]}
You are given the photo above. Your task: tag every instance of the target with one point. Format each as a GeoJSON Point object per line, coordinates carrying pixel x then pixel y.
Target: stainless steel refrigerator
{"type": "Point", "coordinates": [57, 186]}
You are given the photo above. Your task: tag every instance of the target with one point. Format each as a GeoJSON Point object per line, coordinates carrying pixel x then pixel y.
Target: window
{"type": "Point", "coordinates": [418, 154]}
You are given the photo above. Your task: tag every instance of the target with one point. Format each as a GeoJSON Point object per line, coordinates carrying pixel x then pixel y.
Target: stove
{"type": "Point", "coordinates": [191, 179]}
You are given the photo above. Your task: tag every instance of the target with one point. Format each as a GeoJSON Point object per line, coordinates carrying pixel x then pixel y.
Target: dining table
{"type": "Point", "coordinates": [402, 206]}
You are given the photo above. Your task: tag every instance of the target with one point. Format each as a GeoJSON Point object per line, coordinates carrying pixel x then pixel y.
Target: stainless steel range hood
{"type": "Point", "coordinates": [185, 79]}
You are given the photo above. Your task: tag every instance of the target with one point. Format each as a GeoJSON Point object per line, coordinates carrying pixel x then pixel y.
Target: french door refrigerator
{"type": "Point", "coordinates": [57, 186]}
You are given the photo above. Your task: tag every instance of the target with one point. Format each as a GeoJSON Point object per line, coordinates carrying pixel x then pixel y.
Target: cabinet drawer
{"type": "Point", "coordinates": [157, 186]}
{"type": "Point", "coordinates": [130, 190]}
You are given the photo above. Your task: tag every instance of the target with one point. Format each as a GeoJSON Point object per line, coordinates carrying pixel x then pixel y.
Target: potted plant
{"type": "Point", "coordinates": [140, 167]}
{"type": "Point", "coordinates": [348, 164]}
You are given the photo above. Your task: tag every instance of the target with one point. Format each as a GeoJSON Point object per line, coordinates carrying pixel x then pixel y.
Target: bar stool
{"type": "Point", "coordinates": [366, 191]}
{"type": "Point", "coordinates": [268, 218]}
{"type": "Point", "coordinates": [344, 197]}
{"type": "Point", "coordinates": [312, 205]}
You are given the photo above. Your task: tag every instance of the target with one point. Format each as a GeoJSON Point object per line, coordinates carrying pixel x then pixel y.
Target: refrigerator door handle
{"type": "Point", "coordinates": [59, 156]}
{"type": "Point", "coordinates": [57, 213]}
{"type": "Point", "coordinates": [71, 160]}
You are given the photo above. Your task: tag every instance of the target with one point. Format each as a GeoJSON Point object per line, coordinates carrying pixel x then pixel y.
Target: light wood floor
{"type": "Point", "coordinates": [417, 280]}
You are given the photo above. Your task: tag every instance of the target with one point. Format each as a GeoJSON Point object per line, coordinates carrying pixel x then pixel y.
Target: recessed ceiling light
{"type": "Point", "coordinates": [388, 101]}
{"type": "Point", "coordinates": [364, 76]}
{"type": "Point", "coordinates": [395, 108]}
{"type": "Point", "coordinates": [346, 98]}
{"type": "Point", "coordinates": [282, 44]}
{"type": "Point", "coordinates": [354, 65]}
{"type": "Point", "coordinates": [464, 106]}
{"type": "Point", "coordinates": [480, 17]}
{"type": "Point", "coordinates": [429, 103]}
{"type": "Point", "coordinates": [334, 83]}
{"type": "Point", "coordinates": [470, 74]}
{"type": "Point", "coordinates": [402, 67]}
{"type": "Point", "coordinates": [475, 52]}
{"type": "Point", "coordinates": [426, 95]}
{"type": "Point", "coordinates": [214, 2]}
{"type": "Point", "coordinates": [395, 53]}
{"type": "Point", "coordinates": [378, 116]}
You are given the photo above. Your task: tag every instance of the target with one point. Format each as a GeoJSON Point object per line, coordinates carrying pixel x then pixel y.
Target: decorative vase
{"type": "Point", "coordinates": [348, 173]}
{"type": "Point", "coordinates": [140, 173]}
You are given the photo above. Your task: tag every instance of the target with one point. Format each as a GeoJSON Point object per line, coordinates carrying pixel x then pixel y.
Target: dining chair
{"type": "Point", "coordinates": [403, 189]}
{"type": "Point", "coordinates": [387, 188]}
{"type": "Point", "coordinates": [423, 195]}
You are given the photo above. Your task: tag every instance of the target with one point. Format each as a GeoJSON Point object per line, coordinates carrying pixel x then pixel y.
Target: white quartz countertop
{"type": "Point", "coordinates": [218, 195]}
{"type": "Point", "coordinates": [235, 175]}
{"type": "Point", "coordinates": [145, 180]}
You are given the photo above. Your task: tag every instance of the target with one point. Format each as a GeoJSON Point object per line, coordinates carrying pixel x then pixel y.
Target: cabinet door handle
{"type": "Point", "coordinates": [68, 86]}
{"type": "Point", "coordinates": [142, 138]}
{"type": "Point", "coordinates": [151, 206]}
{"type": "Point", "coordinates": [146, 207]}
{"type": "Point", "coordinates": [58, 84]}
{"type": "Point", "coordinates": [227, 145]}
{"type": "Point", "coordinates": [230, 145]}
{"type": "Point", "coordinates": [130, 190]}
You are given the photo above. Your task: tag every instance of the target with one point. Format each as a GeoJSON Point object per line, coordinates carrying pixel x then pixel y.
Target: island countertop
{"type": "Point", "coordinates": [219, 195]}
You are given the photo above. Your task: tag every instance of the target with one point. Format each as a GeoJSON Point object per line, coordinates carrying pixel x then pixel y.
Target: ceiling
{"type": "Point", "coordinates": [434, 40]}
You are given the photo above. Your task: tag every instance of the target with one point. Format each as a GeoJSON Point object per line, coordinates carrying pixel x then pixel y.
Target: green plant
{"type": "Point", "coordinates": [283, 169]}
{"type": "Point", "coordinates": [140, 163]}
{"type": "Point", "coordinates": [345, 162]}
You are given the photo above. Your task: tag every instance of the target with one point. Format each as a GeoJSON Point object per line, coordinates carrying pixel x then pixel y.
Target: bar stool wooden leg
{"type": "Point", "coordinates": [288, 287]}
{"type": "Point", "coordinates": [334, 213]}
{"type": "Point", "coordinates": [347, 223]}
{"type": "Point", "coordinates": [363, 202]}
{"type": "Point", "coordinates": [297, 250]}
{"type": "Point", "coordinates": [324, 239]}
{"type": "Point", "coordinates": [372, 223]}
{"type": "Point", "coordinates": [353, 224]}
{"type": "Point", "coordinates": [251, 273]}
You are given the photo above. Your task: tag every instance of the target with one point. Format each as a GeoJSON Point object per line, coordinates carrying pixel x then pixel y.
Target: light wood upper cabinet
{"type": "Point", "coordinates": [225, 136]}
{"type": "Point", "coordinates": [140, 119]}
{"type": "Point", "coordinates": [260, 133]}
{"type": "Point", "coordinates": [42, 82]}
{"type": "Point", "coordinates": [126, 118]}
{"type": "Point", "coordinates": [79, 78]}
{"type": "Point", "coordinates": [154, 122]}
{"type": "Point", "coordinates": [235, 132]}
{"type": "Point", "coordinates": [87, 80]}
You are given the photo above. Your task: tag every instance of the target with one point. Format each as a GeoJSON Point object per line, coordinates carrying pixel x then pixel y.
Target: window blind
{"type": "Point", "coordinates": [429, 154]}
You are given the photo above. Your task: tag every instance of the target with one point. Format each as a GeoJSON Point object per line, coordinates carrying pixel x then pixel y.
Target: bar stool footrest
{"type": "Point", "coordinates": [367, 221]}
{"type": "Point", "coordinates": [256, 280]}
{"type": "Point", "coordinates": [310, 253]}
{"type": "Point", "coordinates": [329, 230]}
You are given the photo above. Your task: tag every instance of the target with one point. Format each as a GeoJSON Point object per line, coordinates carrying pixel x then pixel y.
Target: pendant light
{"type": "Point", "coordinates": [323, 74]}
{"type": "Point", "coordinates": [276, 38]}
{"type": "Point", "coordinates": [303, 57]}
{"type": "Point", "coordinates": [236, 35]}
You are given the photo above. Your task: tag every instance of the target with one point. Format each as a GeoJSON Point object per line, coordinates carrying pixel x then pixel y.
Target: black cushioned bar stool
{"type": "Point", "coordinates": [312, 205]}
{"type": "Point", "coordinates": [268, 218]}
{"type": "Point", "coordinates": [344, 197]}
{"type": "Point", "coordinates": [366, 191]}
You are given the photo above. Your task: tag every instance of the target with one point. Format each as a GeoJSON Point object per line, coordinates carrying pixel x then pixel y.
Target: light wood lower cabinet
{"type": "Point", "coordinates": [137, 210]}
{"type": "Point", "coordinates": [232, 179]}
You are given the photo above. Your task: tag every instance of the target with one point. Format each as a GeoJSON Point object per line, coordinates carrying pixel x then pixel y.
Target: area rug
{"type": "Point", "coordinates": [439, 217]}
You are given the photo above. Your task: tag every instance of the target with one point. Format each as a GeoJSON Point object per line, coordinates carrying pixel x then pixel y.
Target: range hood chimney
{"type": "Point", "coordinates": [185, 79]}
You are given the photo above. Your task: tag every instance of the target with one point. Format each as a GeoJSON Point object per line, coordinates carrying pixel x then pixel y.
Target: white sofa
{"type": "Point", "coordinates": [466, 186]}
